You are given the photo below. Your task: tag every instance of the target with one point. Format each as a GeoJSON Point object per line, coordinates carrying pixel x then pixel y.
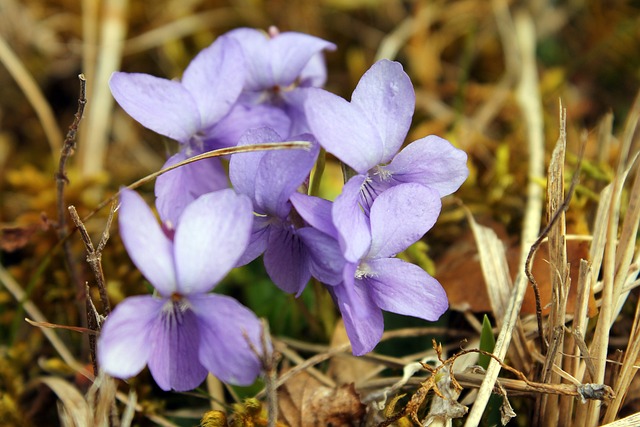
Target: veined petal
{"type": "Point", "coordinates": [385, 96]}
{"type": "Point", "coordinates": [179, 187]}
{"type": "Point", "coordinates": [431, 161]}
{"type": "Point", "coordinates": [258, 240]}
{"type": "Point", "coordinates": [164, 106]}
{"type": "Point", "coordinates": [286, 260]}
{"type": "Point", "coordinates": [314, 74]}
{"type": "Point", "coordinates": [212, 235]}
{"type": "Point", "coordinates": [215, 79]}
{"type": "Point", "coordinates": [362, 318]}
{"type": "Point", "coordinates": [254, 44]}
{"type": "Point", "coordinates": [175, 343]}
{"type": "Point", "coordinates": [149, 248]}
{"type": "Point", "coordinates": [400, 216]}
{"type": "Point", "coordinates": [124, 346]}
{"type": "Point", "coordinates": [403, 288]}
{"type": "Point", "coordinates": [351, 222]}
{"type": "Point", "coordinates": [316, 212]}
{"type": "Point", "coordinates": [226, 328]}
{"type": "Point", "coordinates": [343, 130]}
{"type": "Point", "coordinates": [242, 118]}
{"type": "Point", "coordinates": [279, 175]}
{"type": "Point", "coordinates": [290, 52]}
{"type": "Point", "coordinates": [327, 263]}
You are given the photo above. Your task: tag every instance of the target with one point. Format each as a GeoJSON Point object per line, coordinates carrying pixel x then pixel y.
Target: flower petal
{"type": "Point", "coordinates": [290, 52]}
{"type": "Point", "coordinates": [242, 118]}
{"type": "Point", "coordinates": [179, 187]}
{"type": "Point", "coordinates": [149, 248]}
{"type": "Point", "coordinates": [215, 79]}
{"type": "Point", "coordinates": [326, 260]}
{"type": "Point", "coordinates": [431, 161]}
{"type": "Point", "coordinates": [362, 318]}
{"type": "Point", "coordinates": [212, 235]}
{"type": "Point", "coordinates": [124, 346]}
{"type": "Point", "coordinates": [270, 177]}
{"type": "Point", "coordinates": [385, 96]}
{"type": "Point", "coordinates": [403, 288]}
{"type": "Point", "coordinates": [286, 260]}
{"type": "Point", "coordinates": [343, 130]}
{"type": "Point", "coordinates": [254, 44]}
{"type": "Point", "coordinates": [226, 327]}
{"type": "Point", "coordinates": [351, 222]}
{"type": "Point", "coordinates": [316, 212]}
{"type": "Point", "coordinates": [164, 106]}
{"type": "Point", "coordinates": [175, 343]}
{"type": "Point", "coordinates": [258, 240]}
{"type": "Point", "coordinates": [280, 174]}
{"type": "Point", "coordinates": [400, 216]}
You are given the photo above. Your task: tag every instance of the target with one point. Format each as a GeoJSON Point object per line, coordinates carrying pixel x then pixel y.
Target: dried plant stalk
{"type": "Point", "coordinates": [529, 99]}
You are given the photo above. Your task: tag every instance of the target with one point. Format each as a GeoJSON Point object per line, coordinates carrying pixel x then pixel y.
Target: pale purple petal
{"type": "Point", "coordinates": [258, 240]}
{"type": "Point", "coordinates": [286, 260]}
{"type": "Point", "coordinates": [212, 235]}
{"type": "Point", "coordinates": [124, 345]}
{"type": "Point", "coordinates": [215, 78]}
{"type": "Point", "coordinates": [400, 216]}
{"type": "Point", "coordinates": [350, 221]}
{"type": "Point", "coordinates": [244, 117]}
{"type": "Point", "coordinates": [149, 248]}
{"type": "Point", "coordinates": [175, 343]}
{"type": "Point", "coordinates": [362, 318]}
{"type": "Point", "coordinates": [270, 177]}
{"type": "Point", "coordinates": [343, 130]}
{"type": "Point", "coordinates": [316, 212]}
{"type": "Point", "coordinates": [291, 52]}
{"type": "Point", "coordinates": [314, 74]}
{"type": "Point", "coordinates": [179, 187]}
{"type": "Point", "coordinates": [326, 260]}
{"type": "Point", "coordinates": [226, 328]}
{"type": "Point", "coordinates": [385, 96]}
{"type": "Point", "coordinates": [254, 44]}
{"type": "Point", "coordinates": [403, 288]}
{"type": "Point", "coordinates": [431, 161]}
{"type": "Point", "coordinates": [164, 106]}
{"type": "Point", "coordinates": [280, 174]}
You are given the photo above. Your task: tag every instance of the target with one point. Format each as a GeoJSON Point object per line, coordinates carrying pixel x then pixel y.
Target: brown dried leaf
{"type": "Point", "coordinates": [344, 368]}
{"type": "Point", "coordinates": [305, 402]}
{"type": "Point", "coordinates": [460, 274]}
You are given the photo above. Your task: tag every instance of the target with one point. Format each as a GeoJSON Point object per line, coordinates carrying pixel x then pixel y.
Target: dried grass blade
{"type": "Point", "coordinates": [113, 30]}
{"type": "Point", "coordinates": [529, 99]}
{"type": "Point", "coordinates": [75, 410]}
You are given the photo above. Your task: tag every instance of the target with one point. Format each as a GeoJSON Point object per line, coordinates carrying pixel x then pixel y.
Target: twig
{"type": "Point", "coordinates": [94, 256]}
{"type": "Point", "coordinates": [68, 148]}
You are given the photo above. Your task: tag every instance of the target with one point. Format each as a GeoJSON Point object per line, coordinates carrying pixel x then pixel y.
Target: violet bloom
{"type": "Point", "coordinates": [201, 113]}
{"type": "Point", "coordinates": [269, 178]}
{"type": "Point", "coordinates": [376, 281]}
{"type": "Point", "coordinates": [366, 134]}
{"type": "Point", "coordinates": [184, 332]}
{"type": "Point", "coordinates": [279, 68]}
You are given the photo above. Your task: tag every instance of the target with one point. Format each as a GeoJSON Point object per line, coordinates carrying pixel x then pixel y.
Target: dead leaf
{"type": "Point", "coordinates": [345, 368]}
{"type": "Point", "coordinates": [305, 402]}
{"type": "Point", "coordinates": [460, 274]}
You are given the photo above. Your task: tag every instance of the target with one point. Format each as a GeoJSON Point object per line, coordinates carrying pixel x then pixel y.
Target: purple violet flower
{"type": "Point", "coordinates": [269, 178]}
{"type": "Point", "coordinates": [184, 332]}
{"type": "Point", "coordinates": [366, 134]}
{"type": "Point", "coordinates": [279, 68]}
{"type": "Point", "coordinates": [377, 281]}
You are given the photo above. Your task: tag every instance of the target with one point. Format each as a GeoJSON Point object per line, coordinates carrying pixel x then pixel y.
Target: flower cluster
{"type": "Point", "coordinates": [248, 88]}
